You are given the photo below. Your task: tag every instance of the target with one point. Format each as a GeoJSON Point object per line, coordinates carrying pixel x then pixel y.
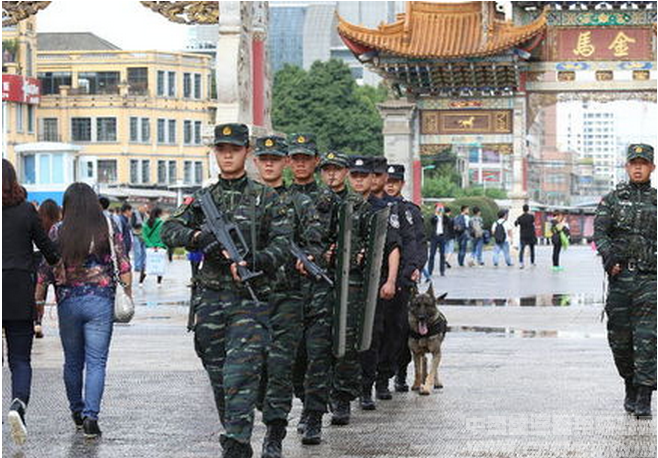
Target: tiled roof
{"type": "Point", "coordinates": [73, 41]}
{"type": "Point", "coordinates": [442, 30]}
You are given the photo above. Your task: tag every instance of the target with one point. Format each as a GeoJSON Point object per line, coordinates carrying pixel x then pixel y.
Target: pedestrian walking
{"type": "Point", "coordinates": [21, 228]}
{"type": "Point", "coordinates": [449, 231]}
{"type": "Point", "coordinates": [559, 238]}
{"type": "Point", "coordinates": [502, 234]}
{"type": "Point", "coordinates": [85, 289]}
{"type": "Point", "coordinates": [476, 228]}
{"type": "Point", "coordinates": [439, 226]}
{"type": "Point", "coordinates": [125, 216]}
{"type": "Point", "coordinates": [139, 249]}
{"type": "Point", "coordinates": [49, 214]}
{"type": "Point", "coordinates": [461, 225]}
{"type": "Point", "coordinates": [625, 236]}
{"type": "Point", "coordinates": [528, 236]}
{"type": "Point", "coordinates": [155, 247]}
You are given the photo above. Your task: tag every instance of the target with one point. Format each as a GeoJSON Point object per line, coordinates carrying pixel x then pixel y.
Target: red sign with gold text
{"type": "Point", "coordinates": [603, 43]}
{"type": "Point", "coordinates": [17, 88]}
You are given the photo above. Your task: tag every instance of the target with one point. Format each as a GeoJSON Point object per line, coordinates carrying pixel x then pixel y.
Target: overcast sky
{"type": "Point", "coordinates": [126, 23]}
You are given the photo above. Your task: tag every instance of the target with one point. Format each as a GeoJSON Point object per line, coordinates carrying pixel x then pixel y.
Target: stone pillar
{"type": "Point", "coordinates": [400, 145]}
{"type": "Point", "coordinates": [519, 194]}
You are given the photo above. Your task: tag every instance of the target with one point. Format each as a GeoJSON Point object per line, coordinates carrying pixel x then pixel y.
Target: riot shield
{"type": "Point", "coordinates": [343, 251]}
{"type": "Point", "coordinates": [377, 226]}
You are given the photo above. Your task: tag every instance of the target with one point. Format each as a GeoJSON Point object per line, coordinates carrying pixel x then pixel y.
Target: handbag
{"type": "Point", "coordinates": [124, 307]}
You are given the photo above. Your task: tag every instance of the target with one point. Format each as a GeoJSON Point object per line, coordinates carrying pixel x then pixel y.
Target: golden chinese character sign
{"type": "Point", "coordinates": [603, 43]}
{"type": "Point", "coordinates": [443, 122]}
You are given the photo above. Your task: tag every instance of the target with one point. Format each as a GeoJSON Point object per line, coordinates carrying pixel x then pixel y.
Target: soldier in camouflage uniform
{"type": "Point", "coordinates": [414, 257]}
{"type": "Point", "coordinates": [314, 356]}
{"type": "Point", "coordinates": [333, 171]}
{"type": "Point", "coordinates": [625, 236]}
{"type": "Point", "coordinates": [286, 298]}
{"type": "Point", "coordinates": [231, 333]}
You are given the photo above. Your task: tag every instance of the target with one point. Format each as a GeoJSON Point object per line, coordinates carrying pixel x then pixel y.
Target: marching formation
{"type": "Point", "coordinates": [304, 289]}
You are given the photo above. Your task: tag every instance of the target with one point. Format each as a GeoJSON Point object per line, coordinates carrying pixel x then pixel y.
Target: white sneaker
{"type": "Point", "coordinates": [16, 422]}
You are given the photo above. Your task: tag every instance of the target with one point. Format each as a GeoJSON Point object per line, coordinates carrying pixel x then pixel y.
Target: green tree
{"type": "Point", "coordinates": [326, 101]}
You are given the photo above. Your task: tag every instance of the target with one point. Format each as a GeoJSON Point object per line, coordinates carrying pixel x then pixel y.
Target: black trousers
{"type": "Point", "coordinates": [19, 336]}
{"type": "Point", "coordinates": [557, 246]}
{"type": "Point", "coordinates": [529, 244]}
{"type": "Point", "coordinates": [438, 241]}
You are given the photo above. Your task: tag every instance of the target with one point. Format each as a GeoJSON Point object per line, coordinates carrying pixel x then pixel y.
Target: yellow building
{"type": "Point", "coordinates": [20, 95]}
{"type": "Point", "coordinates": [139, 116]}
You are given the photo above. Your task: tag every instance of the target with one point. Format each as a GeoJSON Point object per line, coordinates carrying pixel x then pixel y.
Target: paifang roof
{"type": "Point", "coordinates": [442, 30]}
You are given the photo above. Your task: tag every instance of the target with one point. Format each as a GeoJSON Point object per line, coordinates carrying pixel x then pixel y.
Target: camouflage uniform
{"type": "Point", "coordinates": [625, 234]}
{"type": "Point", "coordinates": [232, 330]}
{"type": "Point", "coordinates": [286, 299]}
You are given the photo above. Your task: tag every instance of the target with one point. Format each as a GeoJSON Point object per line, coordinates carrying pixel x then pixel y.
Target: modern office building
{"type": "Point", "coordinates": [139, 116]}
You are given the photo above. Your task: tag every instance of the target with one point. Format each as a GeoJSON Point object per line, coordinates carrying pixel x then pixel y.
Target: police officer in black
{"type": "Point", "coordinates": [414, 257]}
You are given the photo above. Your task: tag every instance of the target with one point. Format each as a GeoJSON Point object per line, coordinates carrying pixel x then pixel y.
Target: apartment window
{"type": "Point", "coordinates": [162, 172]}
{"type": "Point", "coordinates": [187, 172]}
{"type": "Point", "coordinates": [106, 129]}
{"type": "Point", "coordinates": [49, 130]}
{"type": "Point", "coordinates": [81, 129]}
{"type": "Point", "coordinates": [187, 85]}
{"type": "Point", "coordinates": [30, 118]}
{"type": "Point", "coordinates": [146, 130]}
{"type": "Point", "coordinates": [197, 85]}
{"type": "Point", "coordinates": [98, 82]}
{"type": "Point", "coordinates": [161, 130]}
{"type": "Point", "coordinates": [138, 80]}
{"type": "Point", "coordinates": [187, 132]}
{"type": "Point", "coordinates": [107, 170]}
{"type": "Point", "coordinates": [161, 83]}
{"type": "Point", "coordinates": [19, 117]}
{"type": "Point", "coordinates": [198, 172]}
{"type": "Point", "coordinates": [171, 133]}
{"type": "Point", "coordinates": [146, 171]}
{"type": "Point", "coordinates": [134, 129]}
{"type": "Point", "coordinates": [134, 171]}
{"type": "Point", "coordinates": [171, 80]}
{"type": "Point", "coordinates": [51, 81]}
{"type": "Point", "coordinates": [29, 170]}
{"type": "Point", "coordinates": [172, 172]}
{"type": "Point", "coordinates": [197, 132]}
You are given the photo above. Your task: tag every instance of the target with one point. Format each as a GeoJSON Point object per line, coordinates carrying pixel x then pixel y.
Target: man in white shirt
{"type": "Point", "coordinates": [501, 233]}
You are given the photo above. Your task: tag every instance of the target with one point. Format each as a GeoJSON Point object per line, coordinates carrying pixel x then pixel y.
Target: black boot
{"type": "Point", "coordinates": [366, 398]}
{"type": "Point", "coordinates": [90, 428]}
{"type": "Point", "coordinates": [401, 383]}
{"type": "Point", "coordinates": [631, 396]}
{"type": "Point", "coordinates": [301, 426]}
{"type": "Point", "coordinates": [234, 449]}
{"type": "Point", "coordinates": [341, 413]}
{"type": "Point", "coordinates": [643, 402]}
{"type": "Point", "coordinates": [272, 443]}
{"type": "Point", "coordinates": [382, 391]}
{"type": "Point", "coordinates": [313, 432]}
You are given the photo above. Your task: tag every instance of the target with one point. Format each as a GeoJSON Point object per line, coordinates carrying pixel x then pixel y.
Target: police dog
{"type": "Point", "coordinates": [427, 329]}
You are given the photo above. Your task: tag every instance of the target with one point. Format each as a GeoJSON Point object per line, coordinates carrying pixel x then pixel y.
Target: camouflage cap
{"type": "Point", "coordinates": [302, 144]}
{"type": "Point", "coordinates": [396, 171]}
{"type": "Point", "coordinates": [379, 164]}
{"type": "Point", "coordinates": [234, 134]}
{"type": "Point", "coordinates": [362, 164]}
{"type": "Point", "coordinates": [273, 145]}
{"type": "Point", "coordinates": [335, 158]}
{"type": "Point", "coordinates": [639, 151]}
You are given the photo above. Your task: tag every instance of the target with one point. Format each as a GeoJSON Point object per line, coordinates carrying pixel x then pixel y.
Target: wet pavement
{"type": "Point", "coordinates": [519, 381]}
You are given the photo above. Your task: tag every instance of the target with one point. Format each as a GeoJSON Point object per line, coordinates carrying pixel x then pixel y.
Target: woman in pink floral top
{"type": "Point", "coordinates": [85, 288]}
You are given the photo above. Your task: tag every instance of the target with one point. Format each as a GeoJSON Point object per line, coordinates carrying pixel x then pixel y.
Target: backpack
{"type": "Point", "coordinates": [476, 228]}
{"type": "Point", "coordinates": [499, 234]}
{"type": "Point", "coordinates": [460, 225]}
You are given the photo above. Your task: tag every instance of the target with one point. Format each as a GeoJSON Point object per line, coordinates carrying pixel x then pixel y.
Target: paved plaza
{"type": "Point", "coordinates": [526, 369]}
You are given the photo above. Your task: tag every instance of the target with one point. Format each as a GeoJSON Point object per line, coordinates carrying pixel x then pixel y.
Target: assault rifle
{"type": "Point", "coordinates": [226, 234]}
{"type": "Point", "coordinates": [311, 268]}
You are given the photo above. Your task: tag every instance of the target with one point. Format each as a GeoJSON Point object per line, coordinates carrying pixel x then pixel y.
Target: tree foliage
{"type": "Point", "coordinates": [326, 101]}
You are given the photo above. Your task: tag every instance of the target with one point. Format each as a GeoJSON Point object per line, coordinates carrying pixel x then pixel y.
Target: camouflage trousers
{"type": "Point", "coordinates": [346, 373]}
{"type": "Point", "coordinates": [275, 394]}
{"type": "Point", "coordinates": [231, 337]}
{"type": "Point", "coordinates": [631, 310]}
{"type": "Point", "coordinates": [314, 358]}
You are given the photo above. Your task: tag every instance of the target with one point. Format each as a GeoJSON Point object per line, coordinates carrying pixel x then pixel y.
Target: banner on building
{"type": "Point", "coordinates": [17, 88]}
{"type": "Point", "coordinates": [603, 43]}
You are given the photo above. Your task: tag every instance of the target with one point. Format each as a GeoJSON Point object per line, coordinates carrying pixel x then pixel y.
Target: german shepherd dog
{"type": "Point", "coordinates": [427, 329]}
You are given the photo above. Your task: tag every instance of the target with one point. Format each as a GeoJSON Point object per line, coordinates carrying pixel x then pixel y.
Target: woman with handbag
{"type": "Point", "coordinates": [152, 239]}
{"type": "Point", "coordinates": [559, 238]}
{"type": "Point", "coordinates": [21, 228]}
{"type": "Point", "coordinates": [85, 287]}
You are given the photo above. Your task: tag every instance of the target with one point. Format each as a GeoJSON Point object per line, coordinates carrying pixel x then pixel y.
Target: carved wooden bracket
{"type": "Point", "coordinates": [186, 12]}
{"type": "Point", "coordinates": [14, 12]}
